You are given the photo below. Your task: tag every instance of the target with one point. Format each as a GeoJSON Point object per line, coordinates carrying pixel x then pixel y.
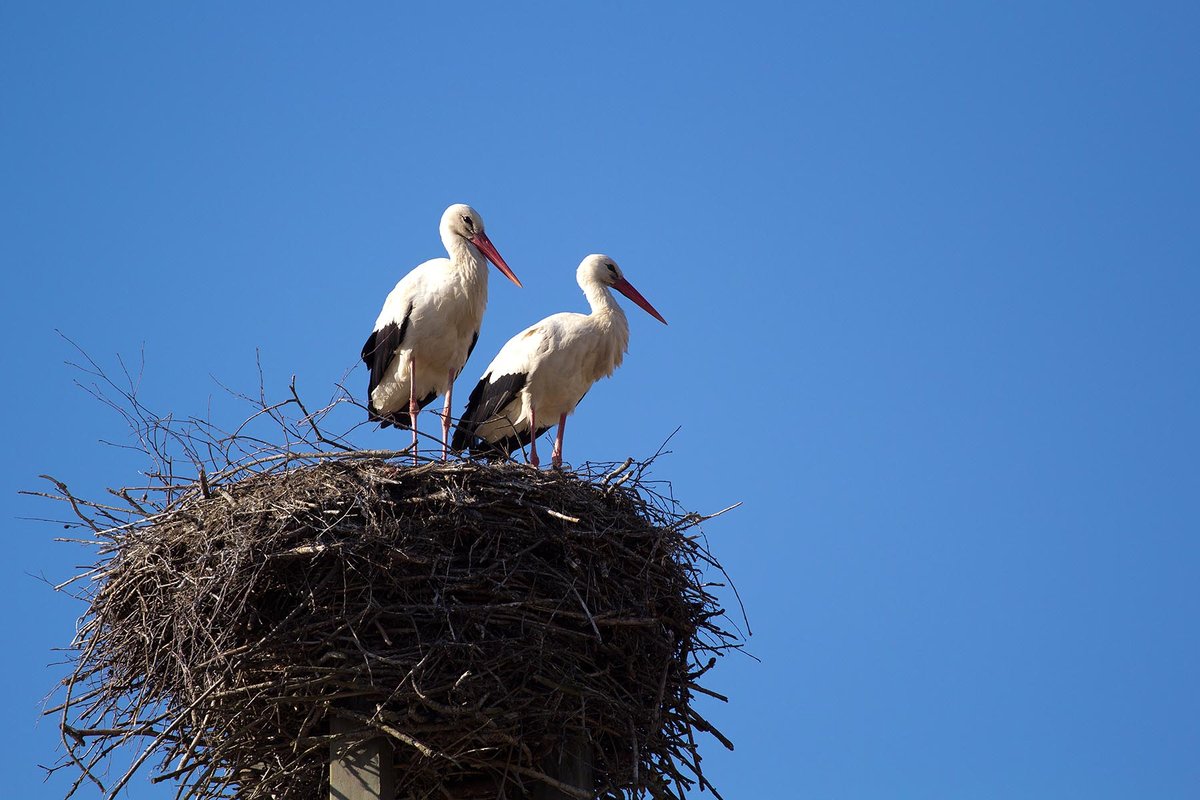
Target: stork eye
{"type": "Point", "coordinates": [470, 225]}
{"type": "Point", "coordinates": [612, 268]}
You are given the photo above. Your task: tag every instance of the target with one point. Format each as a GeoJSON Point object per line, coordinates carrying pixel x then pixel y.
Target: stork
{"type": "Point", "coordinates": [542, 373]}
{"type": "Point", "coordinates": [429, 325]}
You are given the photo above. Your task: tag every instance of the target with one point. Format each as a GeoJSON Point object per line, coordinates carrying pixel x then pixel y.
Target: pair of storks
{"type": "Point", "coordinates": [430, 323]}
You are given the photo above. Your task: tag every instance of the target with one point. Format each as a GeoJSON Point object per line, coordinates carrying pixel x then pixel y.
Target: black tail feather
{"type": "Point", "coordinates": [497, 450]}
{"type": "Point", "coordinates": [487, 399]}
{"type": "Point", "coordinates": [399, 418]}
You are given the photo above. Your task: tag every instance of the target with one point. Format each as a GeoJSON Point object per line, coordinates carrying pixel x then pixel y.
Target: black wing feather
{"type": "Point", "coordinates": [471, 349]}
{"type": "Point", "coordinates": [381, 347]}
{"type": "Point", "coordinates": [508, 444]}
{"type": "Point", "coordinates": [377, 353]}
{"type": "Point", "coordinates": [486, 400]}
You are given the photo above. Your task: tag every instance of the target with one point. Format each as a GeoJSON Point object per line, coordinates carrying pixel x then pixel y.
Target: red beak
{"type": "Point", "coordinates": [626, 288]}
{"type": "Point", "coordinates": [486, 247]}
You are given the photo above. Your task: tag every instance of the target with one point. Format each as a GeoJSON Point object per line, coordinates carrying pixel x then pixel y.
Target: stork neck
{"type": "Point", "coordinates": [603, 304]}
{"type": "Point", "coordinates": [465, 257]}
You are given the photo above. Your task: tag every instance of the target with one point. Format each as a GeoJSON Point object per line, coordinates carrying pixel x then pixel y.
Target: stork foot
{"type": "Point", "coordinates": [414, 408]}
{"type": "Point", "coordinates": [556, 453]}
{"type": "Point", "coordinates": [446, 415]}
{"type": "Point", "coordinates": [533, 431]}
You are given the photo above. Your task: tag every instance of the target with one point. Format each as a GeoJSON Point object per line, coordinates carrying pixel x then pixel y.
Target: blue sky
{"type": "Point", "coordinates": [931, 277]}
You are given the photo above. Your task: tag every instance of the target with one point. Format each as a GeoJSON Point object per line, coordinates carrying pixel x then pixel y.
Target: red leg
{"type": "Point", "coordinates": [533, 459]}
{"type": "Point", "coordinates": [446, 418]}
{"type": "Point", "coordinates": [413, 409]}
{"type": "Point", "coordinates": [556, 456]}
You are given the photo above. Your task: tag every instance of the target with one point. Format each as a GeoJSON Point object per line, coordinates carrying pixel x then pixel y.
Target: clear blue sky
{"type": "Point", "coordinates": [932, 273]}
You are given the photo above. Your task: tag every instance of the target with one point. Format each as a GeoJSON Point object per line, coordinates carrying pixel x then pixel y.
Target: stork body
{"type": "Point", "coordinates": [429, 325]}
{"type": "Point", "coordinates": [540, 375]}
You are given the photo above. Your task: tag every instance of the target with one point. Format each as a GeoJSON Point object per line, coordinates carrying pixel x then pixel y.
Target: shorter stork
{"type": "Point", "coordinates": [543, 372]}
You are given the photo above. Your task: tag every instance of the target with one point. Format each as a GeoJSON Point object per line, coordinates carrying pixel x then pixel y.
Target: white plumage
{"type": "Point", "coordinates": [429, 324]}
{"type": "Point", "coordinates": [542, 373]}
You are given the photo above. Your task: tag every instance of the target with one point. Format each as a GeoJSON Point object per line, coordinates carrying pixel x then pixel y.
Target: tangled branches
{"type": "Point", "coordinates": [473, 614]}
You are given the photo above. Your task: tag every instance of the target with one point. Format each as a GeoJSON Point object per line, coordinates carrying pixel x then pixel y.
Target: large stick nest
{"type": "Point", "coordinates": [475, 615]}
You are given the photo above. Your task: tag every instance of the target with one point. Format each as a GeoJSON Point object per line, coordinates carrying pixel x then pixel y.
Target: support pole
{"type": "Point", "coordinates": [359, 768]}
{"type": "Point", "coordinates": [572, 765]}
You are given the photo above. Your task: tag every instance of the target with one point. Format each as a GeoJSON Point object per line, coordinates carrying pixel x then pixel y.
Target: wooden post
{"type": "Point", "coordinates": [359, 769]}
{"type": "Point", "coordinates": [572, 765]}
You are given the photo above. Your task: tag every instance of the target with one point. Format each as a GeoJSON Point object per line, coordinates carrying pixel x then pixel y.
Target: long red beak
{"type": "Point", "coordinates": [626, 288]}
{"type": "Point", "coordinates": [486, 247]}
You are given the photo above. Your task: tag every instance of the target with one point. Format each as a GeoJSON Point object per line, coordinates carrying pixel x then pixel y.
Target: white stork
{"type": "Point", "coordinates": [429, 325]}
{"type": "Point", "coordinates": [542, 373]}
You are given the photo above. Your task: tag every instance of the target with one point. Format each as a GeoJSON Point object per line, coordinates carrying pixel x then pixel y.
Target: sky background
{"type": "Point", "coordinates": [932, 273]}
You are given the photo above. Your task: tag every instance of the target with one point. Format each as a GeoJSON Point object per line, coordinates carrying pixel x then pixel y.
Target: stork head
{"type": "Point", "coordinates": [462, 221]}
{"type": "Point", "coordinates": [599, 269]}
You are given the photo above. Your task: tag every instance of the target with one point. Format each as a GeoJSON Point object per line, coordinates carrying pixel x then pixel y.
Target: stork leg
{"type": "Point", "coordinates": [446, 417]}
{"type": "Point", "coordinates": [556, 455]}
{"type": "Point", "coordinates": [533, 459]}
{"type": "Point", "coordinates": [413, 408]}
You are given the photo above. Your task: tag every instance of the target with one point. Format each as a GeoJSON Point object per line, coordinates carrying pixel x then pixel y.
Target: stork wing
{"type": "Point", "coordinates": [487, 399]}
{"type": "Point", "coordinates": [381, 347]}
{"type": "Point", "coordinates": [471, 349]}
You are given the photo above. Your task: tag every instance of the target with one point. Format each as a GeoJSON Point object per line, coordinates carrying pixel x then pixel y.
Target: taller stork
{"type": "Point", "coordinates": [429, 325]}
{"type": "Point", "coordinates": [542, 373]}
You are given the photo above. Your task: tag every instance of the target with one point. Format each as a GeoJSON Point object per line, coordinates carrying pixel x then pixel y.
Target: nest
{"type": "Point", "coordinates": [273, 586]}
{"type": "Point", "coordinates": [472, 614]}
